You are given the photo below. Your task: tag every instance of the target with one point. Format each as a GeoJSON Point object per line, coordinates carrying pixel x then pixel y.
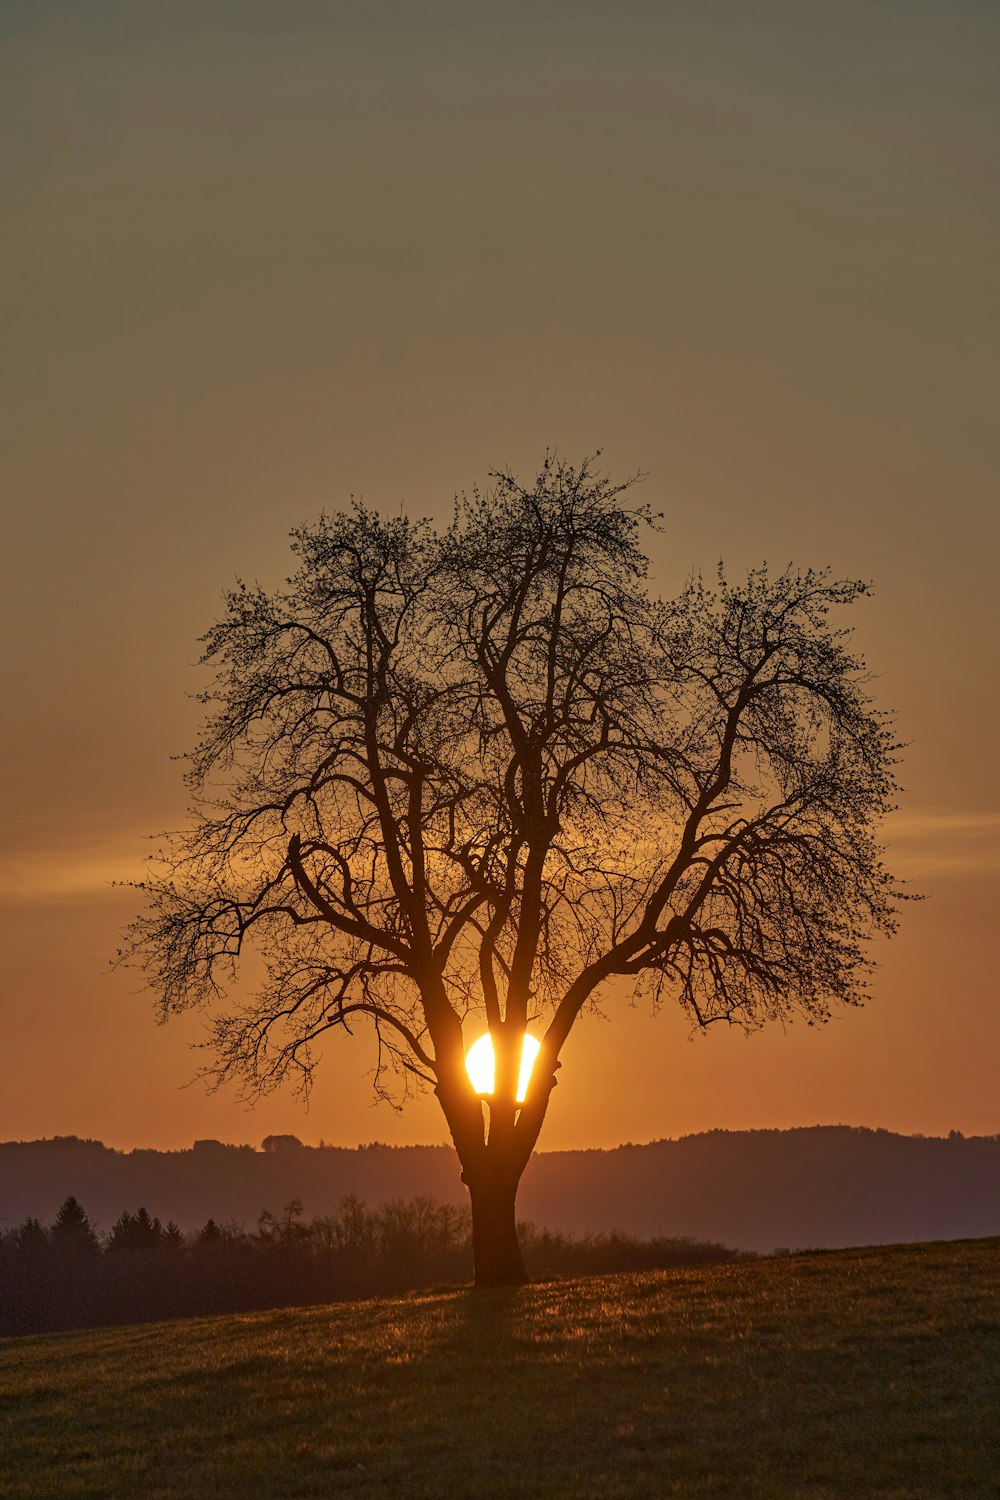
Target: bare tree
{"type": "Point", "coordinates": [483, 774]}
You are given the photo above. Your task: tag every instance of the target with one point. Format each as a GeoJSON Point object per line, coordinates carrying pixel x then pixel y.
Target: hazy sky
{"type": "Point", "coordinates": [256, 257]}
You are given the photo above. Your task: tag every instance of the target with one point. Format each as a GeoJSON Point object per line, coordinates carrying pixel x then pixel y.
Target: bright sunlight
{"type": "Point", "coordinates": [479, 1063]}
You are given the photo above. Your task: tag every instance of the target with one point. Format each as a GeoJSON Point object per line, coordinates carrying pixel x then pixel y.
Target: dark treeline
{"type": "Point", "coordinates": [68, 1276]}
{"type": "Point", "coordinates": [822, 1185]}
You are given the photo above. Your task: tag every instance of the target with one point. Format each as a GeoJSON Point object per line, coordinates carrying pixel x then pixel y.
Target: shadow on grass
{"type": "Point", "coordinates": [860, 1374]}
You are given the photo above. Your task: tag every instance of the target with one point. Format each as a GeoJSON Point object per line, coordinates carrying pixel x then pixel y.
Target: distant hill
{"type": "Point", "coordinates": [829, 1186]}
{"type": "Point", "coordinates": [760, 1189]}
{"type": "Point", "coordinates": [213, 1180]}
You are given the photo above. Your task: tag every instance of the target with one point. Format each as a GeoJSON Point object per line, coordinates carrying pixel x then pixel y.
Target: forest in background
{"type": "Point", "coordinates": [826, 1186]}
{"type": "Point", "coordinates": [67, 1275]}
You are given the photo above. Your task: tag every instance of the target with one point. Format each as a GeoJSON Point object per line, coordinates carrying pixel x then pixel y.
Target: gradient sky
{"type": "Point", "coordinates": [257, 257]}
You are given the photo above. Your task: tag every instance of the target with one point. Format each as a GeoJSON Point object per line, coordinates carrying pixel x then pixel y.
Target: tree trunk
{"type": "Point", "coordinates": [492, 1166]}
{"type": "Point", "coordinates": [495, 1247]}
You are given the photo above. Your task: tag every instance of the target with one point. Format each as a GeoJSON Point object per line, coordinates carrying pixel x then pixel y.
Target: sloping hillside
{"type": "Point", "coordinates": [845, 1374]}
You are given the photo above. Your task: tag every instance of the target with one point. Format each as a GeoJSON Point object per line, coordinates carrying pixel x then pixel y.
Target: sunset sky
{"type": "Point", "coordinates": [257, 257]}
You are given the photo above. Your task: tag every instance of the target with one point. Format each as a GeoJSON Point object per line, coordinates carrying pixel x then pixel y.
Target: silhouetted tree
{"type": "Point", "coordinates": [286, 1231]}
{"type": "Point", "coordinates": [209, 1236]}
{"type": "Point", "coordinates": [280, 1143]}
{"type": "Point", "coordinates": [173, 1238]}
{"type": "Point", "coordinates": [136, 1233]}
{"type": "Point", "coordinates": [484, 773]}
{"type": "Point", "coordinates": [25, 1278]}
{"type": "Point", "coordinates": [73, 1233]}
{"type": "Point", "coordinates": [75, 1249]}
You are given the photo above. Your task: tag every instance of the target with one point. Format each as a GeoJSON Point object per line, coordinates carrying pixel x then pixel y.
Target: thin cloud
{"type": "Point", "coordinates": [920, 844]}
{"type": "Point", "coordinates": [944, 843]}
{"type": "Point", "coordinates": [67, 874]}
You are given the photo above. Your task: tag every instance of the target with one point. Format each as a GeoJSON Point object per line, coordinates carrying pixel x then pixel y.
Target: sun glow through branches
{"type": "Point", "coordinates": [480, 1065]}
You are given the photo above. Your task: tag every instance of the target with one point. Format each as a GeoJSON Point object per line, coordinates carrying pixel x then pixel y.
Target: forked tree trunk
{"type": "Point", "coordinates": [492, 1167]}
{"type": "Point", "coordinates": [495, 1246]}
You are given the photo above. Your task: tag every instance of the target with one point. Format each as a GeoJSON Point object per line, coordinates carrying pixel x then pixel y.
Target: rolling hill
{"type": "Point", "coordinates": [844, 1375]}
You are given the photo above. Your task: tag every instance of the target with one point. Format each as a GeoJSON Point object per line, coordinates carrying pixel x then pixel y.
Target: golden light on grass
{"type": "Point", "coordinates": [481, 1069]}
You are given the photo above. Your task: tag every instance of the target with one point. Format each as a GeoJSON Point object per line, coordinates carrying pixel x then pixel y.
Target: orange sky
{"type": "Point", "coordinates": [255, 264]}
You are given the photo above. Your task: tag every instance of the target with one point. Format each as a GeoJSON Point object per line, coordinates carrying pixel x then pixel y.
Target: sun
{"type": "Point", "coordinates": [481, 1070]}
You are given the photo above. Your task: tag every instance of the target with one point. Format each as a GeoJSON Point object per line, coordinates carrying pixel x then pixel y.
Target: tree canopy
{"type": "Point", "coordinates": [477, 776]}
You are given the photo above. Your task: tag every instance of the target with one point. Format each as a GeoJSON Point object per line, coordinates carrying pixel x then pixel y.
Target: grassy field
{"type": "Point", "coordinates": [871, 1373]}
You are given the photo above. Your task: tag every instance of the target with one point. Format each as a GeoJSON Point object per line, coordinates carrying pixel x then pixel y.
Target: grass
{"type": "Point", "coordinates": [869, 1373]}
